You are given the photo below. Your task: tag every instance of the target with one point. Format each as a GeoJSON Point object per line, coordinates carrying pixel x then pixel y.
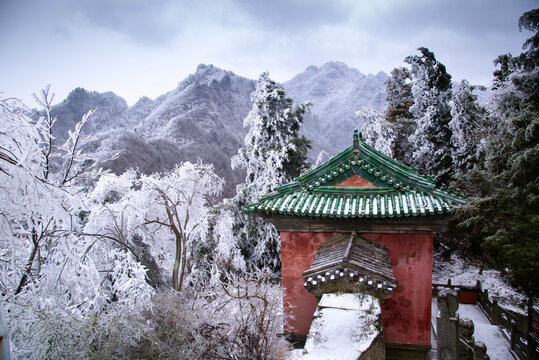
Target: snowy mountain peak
{"type": "Point", "coordinates": [340, 69]}
{"type": "Point", "coordinates": [337, 92]}
{"type": "Point", "coordinates": [110, 112]}
{"type": "Point", "coordinates": [206, 74]}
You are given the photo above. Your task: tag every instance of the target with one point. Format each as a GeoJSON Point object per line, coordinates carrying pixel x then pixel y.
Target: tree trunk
{"type": "Point", "coordinates": [176, 282]}
{"type": "Point", "coordinates": [184, 262]}
{"type": "Point", "coordinates": [29, 264]}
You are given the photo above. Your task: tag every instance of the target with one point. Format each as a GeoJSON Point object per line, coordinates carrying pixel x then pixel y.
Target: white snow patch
{"type": "Point", "coordinates": [465, 273]}
{"type": "Point", "coordinates": [344, 326]}
{"type": "Point", "coordinates": [491, 335]}
{"type": "Point", "coordinates": [345, 301]}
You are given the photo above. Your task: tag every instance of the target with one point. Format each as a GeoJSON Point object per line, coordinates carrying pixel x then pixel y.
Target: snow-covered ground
{"type": "Point", "coordinates": [344, 326]}
{"type": "Point", "coordinates": [462, 272]}
{"type": "Point", "coordinates": [497, 344]}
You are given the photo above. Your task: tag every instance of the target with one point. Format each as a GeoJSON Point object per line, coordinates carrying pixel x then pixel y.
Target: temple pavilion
{"type": "Point", "coordinates": [361, 217]}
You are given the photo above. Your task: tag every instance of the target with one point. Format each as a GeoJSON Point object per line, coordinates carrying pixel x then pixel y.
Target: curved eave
{"type": "Point", "coordinates": [343, 204]}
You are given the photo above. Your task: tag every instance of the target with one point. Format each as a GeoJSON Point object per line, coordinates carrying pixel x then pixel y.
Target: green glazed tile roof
{"type": "Point", "coordinates": [399, 190]}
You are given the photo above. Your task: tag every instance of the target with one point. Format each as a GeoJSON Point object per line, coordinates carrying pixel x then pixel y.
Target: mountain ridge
{"type": "Point", "coordinates": [203, 117]}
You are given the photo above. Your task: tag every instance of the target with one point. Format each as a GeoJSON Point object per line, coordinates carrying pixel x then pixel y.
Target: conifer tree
{"type": "Point", "coordinates": [399, 99]}
{"type": "Point", "coordinates": [503, 214]}
{"type": "Point", "coordinates": [377, 131]}
{"type": "Point", "coordinates": [273, 155]}
{"type": "Point", "coordinates": [468, 127]}
{"type": "Point", "coordinates": [431, 140]}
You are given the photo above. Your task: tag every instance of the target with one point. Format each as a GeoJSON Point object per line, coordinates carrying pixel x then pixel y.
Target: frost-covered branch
{"type": "Point", "coordinates": [45, 99]}
{"type": "Point", "coordinates": [113, 238]}
{"type": "Point", "coordinates": [71, 150]}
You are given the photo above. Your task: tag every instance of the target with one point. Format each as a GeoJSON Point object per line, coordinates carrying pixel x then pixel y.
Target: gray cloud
{"type": "Point", "coordinates": [478, 18]}
{"type": "Point", "coordinates": [290, 15]}
{"type": "Point", "coordinates": [87, 38]}
{"type": "Point", "coordinates": [149, 23]}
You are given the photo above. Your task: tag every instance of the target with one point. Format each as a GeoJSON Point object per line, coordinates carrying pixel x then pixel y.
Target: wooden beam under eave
{"type": "Point", "coordinates": [416, 225]}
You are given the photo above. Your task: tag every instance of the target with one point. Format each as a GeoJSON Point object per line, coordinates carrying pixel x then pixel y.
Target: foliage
{"type": "Point", "coordinates": [167, 213]}
{"type": "Point", "coordinates": [431, 140]}
{"type": "Point", "coordinates": [79, 269]}
{"type": "Point", "coordinates": [273, 155]}
{"type": "Point", "coordinates": [235, 318]}
{"type": "Point", "coordinates": [37, 205]}
{"type": "Point", "coordinates": [51, 280]}
{"type": "Point", "coordinates": [377, 131]}
{"type": "Point", "coordinates": [503, 214]}
{"type": "Point", "coordinates": [469, 126]}
{"type": "Point", "coordinates": [399, 99]}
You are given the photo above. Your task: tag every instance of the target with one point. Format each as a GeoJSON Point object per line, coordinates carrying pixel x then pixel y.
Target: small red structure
{"type": "Point", "coordinates": [362, 190]}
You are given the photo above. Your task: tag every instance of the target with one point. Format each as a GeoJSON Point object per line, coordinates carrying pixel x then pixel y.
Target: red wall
{"type": "Point", "coordinates": [406, 315]}
{"type": "Point", "coordinates": [297, 255]}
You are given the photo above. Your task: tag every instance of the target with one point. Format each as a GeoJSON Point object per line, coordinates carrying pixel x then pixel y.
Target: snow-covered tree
{"type": "Point", "coordinates": [52, 281]}
{"type": "Point", "coordinates": [431, 140]}
{"type": "Point", "coordinates": [377, 131]}
{"type": "Point", "coordinates": [38, 204]}
{"type": "Point", "coordinates": [274, 153]}
{"type": "Point", "coordinates": [399, 99]}
{"type": "Point", "coordinates": [35, 209]}
{"type": "Point", "coordinates": [161, 217]}
{"type": "Point", "coordinates": [468, 125]}
{"type": "Point", "coordinates": [502, 215]}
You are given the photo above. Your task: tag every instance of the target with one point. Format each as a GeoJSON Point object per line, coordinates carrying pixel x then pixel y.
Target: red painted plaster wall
{"type": "Point", "coordinates": [406, 315]}
{"type": "Point", "coordinates": [356, 180]}
{"type": "Point", "coordinates": [297, 255]}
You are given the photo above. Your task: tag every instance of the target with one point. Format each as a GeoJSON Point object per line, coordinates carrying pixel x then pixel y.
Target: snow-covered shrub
{"type": "Point", "coordinates": [237, 317]}
{"type": "Point", "coordinates": [56, 315]}
{"type": "Point", "coordinates": [246, 318]}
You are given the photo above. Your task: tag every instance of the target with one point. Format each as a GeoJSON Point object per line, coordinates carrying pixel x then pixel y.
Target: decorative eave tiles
{"type": "Point", "coordinates": [395, 190]}
{"type": "Point", "coordinates": [347, 262]}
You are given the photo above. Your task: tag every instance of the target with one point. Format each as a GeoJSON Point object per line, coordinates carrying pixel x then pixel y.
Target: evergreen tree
{"type": "Point", "coordinates": [468, 126]}
{"type": "Point", "coordinates": [503, 214]}
{"type": "Point", "coordinates": [399, 99]}
{"type": "Point", "coordinates": [431, 140]}
{"type": "Point", "coordinates": [273, 155]}
{"type": "Point", "coordinates": [377, 131]}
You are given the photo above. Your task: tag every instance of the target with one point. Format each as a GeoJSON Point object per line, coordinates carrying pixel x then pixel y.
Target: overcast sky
{"type": "Point", "coordinates": [139, 47]}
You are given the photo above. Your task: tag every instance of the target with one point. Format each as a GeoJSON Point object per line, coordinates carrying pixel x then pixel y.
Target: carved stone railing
{"type": "Point", "coordinates": [468, 348]}
{"type": "Point", "coordinates": [455, 335]}
{"type": "Point", "coordinates": [514, 323]}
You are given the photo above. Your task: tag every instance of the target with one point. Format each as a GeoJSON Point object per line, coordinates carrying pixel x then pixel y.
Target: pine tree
{"type": "Point", "coordinates": [273, 155]}
{"type": "Point", "coordinates": [431, 140]}
{"type": "Point", "coordinates": [399, 99]}
{"type": "Point", "coordinates": [377, 131]}
{"type": "Point", "coordinates": [468, 127]}
{"type": "Point", "coordinates": [503, 214]}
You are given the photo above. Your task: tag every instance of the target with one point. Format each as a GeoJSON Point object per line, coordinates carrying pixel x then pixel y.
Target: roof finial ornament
{"type": "Point", "coordinates": [357, 138]}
